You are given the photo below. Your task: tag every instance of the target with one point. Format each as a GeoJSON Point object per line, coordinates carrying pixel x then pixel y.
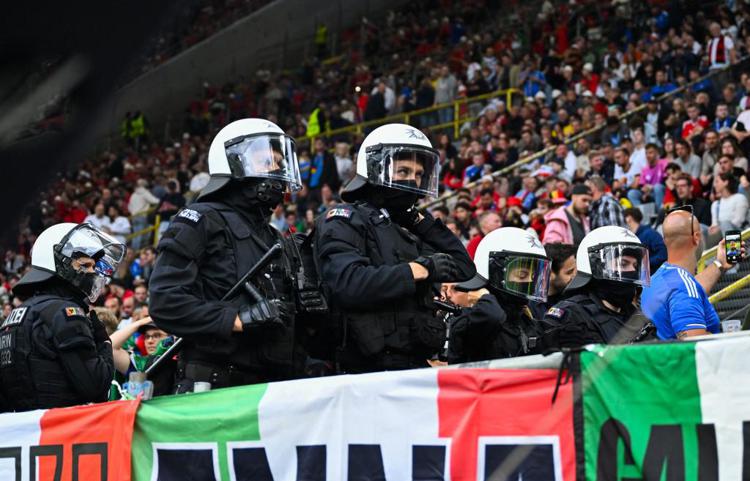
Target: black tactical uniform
{"type": "Point", "coordinates": [384, 318]}
{"type": "Point", "coordinates": [584, 319]}
{"type": "Point", "coordinates": [206, 250]}
{"type": "Point", "coordinates": [488, 331]}
{"type": "Point", "coordinates": [54, 352]}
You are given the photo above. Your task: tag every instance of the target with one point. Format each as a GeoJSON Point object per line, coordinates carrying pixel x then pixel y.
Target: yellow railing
{"type": "Point", "coordinates": [152, 228]}
{"type": "Point", "coordinates": [407, 117]}
{"type": "Point", "coordinates": [709, 254]}
{"type": "Point", "coordinates": [730, 289]}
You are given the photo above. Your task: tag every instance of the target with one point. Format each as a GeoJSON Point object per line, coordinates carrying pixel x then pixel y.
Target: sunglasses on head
{"type": "Point", "coordinates": [685, 208]}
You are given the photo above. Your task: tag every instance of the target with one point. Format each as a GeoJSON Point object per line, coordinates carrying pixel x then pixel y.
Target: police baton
{"type": "Point", "coordinates": [243, 283]}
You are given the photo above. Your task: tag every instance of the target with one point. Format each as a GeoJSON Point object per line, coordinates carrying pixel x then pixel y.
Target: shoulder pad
{"type": "Point", "coordinates": [188, 216]}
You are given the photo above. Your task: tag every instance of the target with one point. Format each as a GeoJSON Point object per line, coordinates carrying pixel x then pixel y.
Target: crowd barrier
{"type": "Point", "coordinates": [675, 411]}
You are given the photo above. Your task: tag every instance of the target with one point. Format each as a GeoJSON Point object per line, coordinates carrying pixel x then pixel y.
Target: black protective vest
{"type": "Point", "coordinates": [31, 377]}
{"type": "Point", "coordinates": [265, 350]}
{"type": "Point", "coordinates": [590, 322]}
{"type": "Point", "coordinates": [407, 326]}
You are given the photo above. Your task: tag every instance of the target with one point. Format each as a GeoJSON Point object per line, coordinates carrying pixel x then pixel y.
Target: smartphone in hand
{"type": "Point", "coordinates": [733, 245]}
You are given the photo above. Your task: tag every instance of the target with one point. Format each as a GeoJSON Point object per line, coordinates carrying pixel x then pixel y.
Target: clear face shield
{"type": "Point", "coordinates": [522, 275]}
{"type": "Point", "coordinates": [409, 168]}
{"type": "Point", "coordinates": [620, 262]}
{"type": "Point", "coordinates": [88, 258]}
{"type": "Point", "coordinates": [265, 156]}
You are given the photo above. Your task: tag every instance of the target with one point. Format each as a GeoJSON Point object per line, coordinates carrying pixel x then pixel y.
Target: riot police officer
{"type": "Point", "coordinates": [512, 270]}
{"type": "Point", "coordinates": [379, 257]}
{"type": "Point", "coordinates": [54, 352]}
{"type": "Point", "coordinates": [211, 244]}
{"type": "Point", "coordinates": [612, 266]}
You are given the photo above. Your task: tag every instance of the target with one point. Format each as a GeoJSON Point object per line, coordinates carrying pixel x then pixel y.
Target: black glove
{"type": "Point", "coordinates": [263, 313]}
{"type": "Point", "coordinates": [97, 329]}
{"type": "Point", "coordinates": [441, 267]}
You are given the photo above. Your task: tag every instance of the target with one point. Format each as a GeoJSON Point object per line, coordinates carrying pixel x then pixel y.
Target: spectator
{"type": "Point", "coordinates": [119, 225]}
{"type": "Point", "coordinates": [686, 159]}
{"type": "Point", "coordinates": [141, 200]}
{"type": "Point", "coordinates": [563, 270]}
{"type": "Point", "coordinates": [488, 221]}
{"type": "Point", "coordinates": [651, 180]}
{"type": "Point", "coordinates": [729, 147]}
{"type": "Point", "coordinates": [344, 164]}
{"type": "Point", "coordinates": [694, 125]}
{"type": "Point", "coordinates": [684, 197]}
{"type": "Point", "coordinates": [527, 194]}
{"type": "Point", "coordinates": [323, 171]}
{"type": "Point", "coordinates": [657, 251]}
{"type": "Point", "coordinates": [569, 225]}
{"type": "Point", "coordinates": [476, 170]}
{"type": "Point", "coordinates": [98, 219]}
{"type": "Point", "coordinates": [720, 49]}
{"type": "Point", "coordinates": [140, 294]}
{"type": "Point", "coordinates": [141, 267]}
{"type": "Point", "coordinates": [729, 210]}
{"type": "Point", "coordinates": [722, 120]}
{"type": "Point", "coordinates": [169, 205]}
{"type": "Point", "coordinates": [462, 213]}
{"type": "Point", "coordinates": [627, 175]}
{"type": "Point", "coordinates": [605, 210]}
{"type": "Point", "coordinates": [711, 154]}
{"type": "Point", "coordinates": [446, 88]}
{"type": "Point", "coordinates": [113, 303]}
{"type": "Point", "coordinates": [603, 167]}
{"type": "Point", "coordinates": [676, 300]}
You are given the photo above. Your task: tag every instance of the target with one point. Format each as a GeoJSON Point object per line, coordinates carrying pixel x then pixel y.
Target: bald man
{"type": "Point", "coordinates": [676, 300]}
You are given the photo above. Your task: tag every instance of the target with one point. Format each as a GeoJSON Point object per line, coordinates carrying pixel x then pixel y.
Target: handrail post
{"type": "Point", "coordinates": [456, 111]}
{"type": "Point", "coordinates": [157, 223]}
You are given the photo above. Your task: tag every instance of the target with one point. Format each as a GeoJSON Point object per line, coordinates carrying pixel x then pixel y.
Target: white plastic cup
{"type": "Point", "coordinates": [201, 386]}
{"type": "Point", "coordinates": [731, 325]}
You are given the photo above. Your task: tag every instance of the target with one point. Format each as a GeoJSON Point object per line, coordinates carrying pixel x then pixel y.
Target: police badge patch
{"type": "Point", "coordinates": [189, 215]}
{"type": "Point", "coordinates": [556, 312]}
{"type": "Point", "coordinates": [344, 212]}
{"type": "Point", "coordinates": [74, 311]}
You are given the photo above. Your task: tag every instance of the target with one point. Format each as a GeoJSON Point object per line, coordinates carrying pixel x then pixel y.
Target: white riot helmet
{"type": "Point", "coordinates": [252, 149]}
{"type": "Point", "coordinates": [57, 250]}
{"type": "Point", "coordinates": [512, 261]}
{"type": "Point", "coordinates": [398, 156]}
{"type": "Point", "coordinates": [611, 253]}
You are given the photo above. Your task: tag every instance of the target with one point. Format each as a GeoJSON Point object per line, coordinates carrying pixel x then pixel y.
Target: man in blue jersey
{"type": "Point", "coordinates": [676, 300]}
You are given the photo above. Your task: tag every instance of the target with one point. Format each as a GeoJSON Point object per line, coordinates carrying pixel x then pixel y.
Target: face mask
{"type": "Point", "coordinates": [619, 294]}
{"type": "Point", "coordinates": [90, 284]}
{"type": "Point", "coordinates": [397, 200]}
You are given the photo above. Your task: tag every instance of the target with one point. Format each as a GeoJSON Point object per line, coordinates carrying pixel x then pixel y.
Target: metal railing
{"type": "Point", "coordinates": [152, 228]}
{"type": "Point", "coordinates": [735, 286]}
{"type": "Point", "coordinates": [585, 133]}
{"type": "Point", "coordinates": [460, 112]}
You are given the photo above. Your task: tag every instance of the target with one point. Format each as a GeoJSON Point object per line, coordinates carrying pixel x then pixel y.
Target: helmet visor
{"type": "Point", "coordinates": [524, 276]}
{"type": "Point", "coordinates": [621, 262]}
{"type": "Point", "coordinates": [87, 241]}
{"type": "Point", "coordinates": [268, 156]}
{"type": "Point", "coordinates": [409, 168]}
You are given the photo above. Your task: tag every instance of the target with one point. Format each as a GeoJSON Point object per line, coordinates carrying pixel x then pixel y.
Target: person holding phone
{"type": "Point", "coordinates": [677, 300]}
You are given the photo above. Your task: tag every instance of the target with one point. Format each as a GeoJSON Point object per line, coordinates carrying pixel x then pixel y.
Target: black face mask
{"type": "Point", "coordinates": [397, 200]}
{"type": "Point", "coordinates": [619, 294]}
{"type": "Point", "coordinates": [253, 195]}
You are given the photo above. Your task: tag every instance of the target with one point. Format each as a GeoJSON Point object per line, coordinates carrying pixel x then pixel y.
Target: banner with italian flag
{"type": "Point", "coordinates": [86, 443]}
{"type": "Point", "coordinates": [458, 424]}
{"type": "Point", "coordinates": [677, 411]}
{"type": "Point", "coordinates": [664, 411]}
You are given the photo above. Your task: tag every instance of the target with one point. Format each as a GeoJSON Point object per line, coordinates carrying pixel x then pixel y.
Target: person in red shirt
{"type": "Point", "coordinates": [695, 124]}
{"type": "Point", "coordinates": [488, 221]}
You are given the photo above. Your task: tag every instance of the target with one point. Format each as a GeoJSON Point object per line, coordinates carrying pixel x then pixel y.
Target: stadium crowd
{"type": "Point", "coordinates": [579, 66]}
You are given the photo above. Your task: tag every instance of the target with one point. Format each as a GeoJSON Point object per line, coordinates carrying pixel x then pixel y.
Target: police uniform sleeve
{"type": "Point", "coordinates": [87, 361]}
{"type": "Point", "coordinates": [485, 317]}
{"type": "Point", "coordinates": [352, 279]}
{"type": "Point", "coordinates": [176, 301]}
{"type": "Point", "coordinates": [438, 238]}
{"type": "Point", "coordinates": [564, 326]}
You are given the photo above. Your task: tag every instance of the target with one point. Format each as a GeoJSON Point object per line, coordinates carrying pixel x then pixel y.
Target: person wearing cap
{"type": "Point", "coordinates": [54, 351]}
{"type": "Point", "coordinates": [612, 267]}
{"type": "Point", "coordinates": [379, 257]}
{"type": "Point", "coordinates": [512, 271]}
{"type": "Point", "coordinates": [211, 244]}
{"type": "Point", "coordinates": [569, 224]}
